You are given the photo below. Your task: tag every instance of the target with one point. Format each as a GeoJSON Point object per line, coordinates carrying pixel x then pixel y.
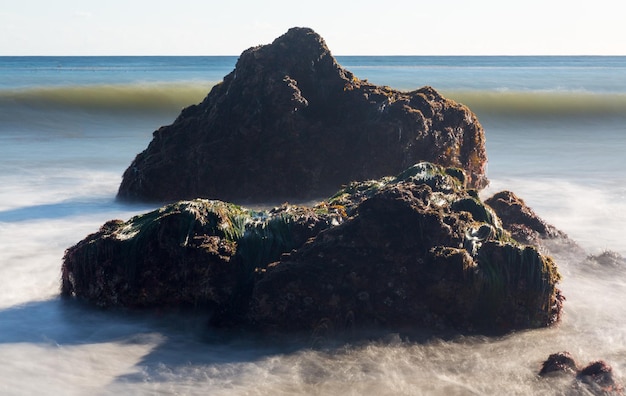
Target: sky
{"type": "Point", "coordinates": [365, 27]}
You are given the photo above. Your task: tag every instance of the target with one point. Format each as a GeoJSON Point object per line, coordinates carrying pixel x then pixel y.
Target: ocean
{"type": "Point", "coordinates": [69, 127]}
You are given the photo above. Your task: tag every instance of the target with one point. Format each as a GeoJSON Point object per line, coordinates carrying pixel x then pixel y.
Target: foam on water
{"type": "Point", "coordinates": [594, 216]}
{"type": "Point", "coordinates": [33, 240]}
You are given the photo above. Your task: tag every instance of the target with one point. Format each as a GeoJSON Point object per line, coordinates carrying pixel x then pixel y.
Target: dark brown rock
{"type": "Point", "coordinates": [289, 123]}
{"type": "Point", "coordinates": [421, 253]}
{"type": "Point", "coordinates": [416, 251]}
{"type": "Point", "coordinates": [198, 252]}
{"type": "Point", "coordinates": [520, 220]}
{"type": "Point", "coordinates": [559, 364]}
{"type": "Point", "coordinates": [596, 378]}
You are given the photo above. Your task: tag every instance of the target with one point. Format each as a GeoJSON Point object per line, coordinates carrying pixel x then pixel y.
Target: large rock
{"type": "Point", "coordinates": [198, 252]}
{"type": "Point", "coordinates": [420, 250]}
{"type": "Point", "coordinates": [416, 250]}
{"type": "Point", "coordinates": [289, 123]}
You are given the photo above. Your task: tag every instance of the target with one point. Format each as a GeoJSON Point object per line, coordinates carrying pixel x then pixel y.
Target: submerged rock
{"type": "Point", "coordinates": [416, 250]}
{"type": "Point", "coordinates": [596, 378]}
{"type": "Point", "coordinates": [606, 260]}
{"type": "Point", "coordinates": [561, 363]}
{"type": "Point", "coordinates": [289, 123]}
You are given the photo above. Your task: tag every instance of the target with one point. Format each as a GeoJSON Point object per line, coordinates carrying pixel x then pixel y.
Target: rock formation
{"type": "Point", "coordinates": [289, 123]}
{"type": "Point", "coordinates": [198, 252]}
{"type": "Point", "coordinates": [416, 250]}
{"type": "Point", "coordinates": [520, 220]}
{"type": "Point", "coordinates": [594, 379]}
{"type": "Point", "coordinates": [420, 250]}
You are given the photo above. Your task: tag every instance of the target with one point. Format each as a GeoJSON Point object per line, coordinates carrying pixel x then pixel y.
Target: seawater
{"type": "Point", "coordinates": [69, 126]}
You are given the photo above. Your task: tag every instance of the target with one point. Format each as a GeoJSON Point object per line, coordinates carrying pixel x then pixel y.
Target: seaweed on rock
{"type": "Point", "coordinates": [140, 262]}
{"type": "Point", "coordinates": [418, 249]}
{"type": "Point", "coordinates": [188, 252]}
{"type": "Point", "coordinates": [516, 278]}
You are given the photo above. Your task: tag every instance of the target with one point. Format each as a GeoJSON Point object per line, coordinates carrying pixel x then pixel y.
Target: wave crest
{"type": "Point", "coordinates": [172, 97]}
{"type": "Point", "coordinates": [109, 98]}
{"type": "Point", "coordinates": [541, 103]}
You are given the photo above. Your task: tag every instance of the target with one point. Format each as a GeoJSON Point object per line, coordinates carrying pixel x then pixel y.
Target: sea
{"type": "Point", "coordinates": [69, 126]}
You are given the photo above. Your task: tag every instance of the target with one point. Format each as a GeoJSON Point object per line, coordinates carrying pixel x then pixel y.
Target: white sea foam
{"type": "Point", "coordinates": [70, 349]}
{"type": "Point", "coordinates": [593, 216]}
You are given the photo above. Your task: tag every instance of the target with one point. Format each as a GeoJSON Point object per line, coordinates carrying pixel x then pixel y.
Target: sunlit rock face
{"type": "Point", "coordinates": [289, 123]}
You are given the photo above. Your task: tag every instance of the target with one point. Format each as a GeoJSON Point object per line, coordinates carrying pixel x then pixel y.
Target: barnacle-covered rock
{"type": "Point", "coordinates": [520, 220]}
{"type": "Point", "coordinates": [289, 123]}
{"type": "Point", "coordinates": [416, 250]}
{"type": "Point", "coordinates": [199, 252]}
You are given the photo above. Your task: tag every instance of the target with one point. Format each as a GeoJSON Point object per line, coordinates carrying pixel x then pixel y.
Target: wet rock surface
{"type": "Point", "coordinates": [289, 123]}
{"type": "Point", "coordinates": [419, 250]}
{"type": "Point", "coordinates": [596, 378]}
{"type": "Point", "coordinates": [520, 220]}
{"type": "Point", "coordinates": [198, 252]}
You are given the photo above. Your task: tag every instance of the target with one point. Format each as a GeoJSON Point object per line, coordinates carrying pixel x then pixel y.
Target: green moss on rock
{"type": "Point", "coordinates": [188, 252]}
{"type": "Point", "coordinates": [419, 249]}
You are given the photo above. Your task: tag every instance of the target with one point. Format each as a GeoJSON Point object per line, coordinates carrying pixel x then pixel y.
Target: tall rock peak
{"type": "Point", "coordinates": [289, 123]}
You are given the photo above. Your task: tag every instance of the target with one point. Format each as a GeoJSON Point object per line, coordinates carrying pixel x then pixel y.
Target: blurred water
{"type": "Point", "coordinates": [70, 126]}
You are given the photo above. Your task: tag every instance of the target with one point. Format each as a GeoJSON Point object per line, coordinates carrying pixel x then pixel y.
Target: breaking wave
{"type": "Point", "coordinates": [147, 97]}
{"type": "Point", "coordinates": [541, 103]}
{"type": "Point", "coordinates": [108, 97]}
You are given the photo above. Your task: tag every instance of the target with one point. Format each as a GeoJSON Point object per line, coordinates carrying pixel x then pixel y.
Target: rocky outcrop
{"type": "Point", "coordinates": [558, 364]}
{"type": "Point", "coordinates": [416, 250]}
{"type": "Point", "coordinates": [420, 250]}
{"type": "Point", "coordinates": [520, 220]}
{"type": "Point", "coordinates": [289, 123]}
{"type": "Point", "coordinates": [596, 378]}
{"type": "Point", "coordinates": [198, 252]}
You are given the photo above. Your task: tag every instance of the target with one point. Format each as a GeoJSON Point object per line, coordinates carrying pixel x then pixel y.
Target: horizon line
{"type": "Point", "coordinates": [334, 55]}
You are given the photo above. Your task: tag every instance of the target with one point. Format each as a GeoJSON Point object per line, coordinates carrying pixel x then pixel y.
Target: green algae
{"type": "Point", "coordinates": [181, 244]}
{"type": "Point", "coordinates": [176, 243]}
{"type": "Point", "coordinates": [263, 242]}
{"type": "Point", "coordinates": [448, 181]}
{"type": "Point", "coordinates": [514, 278]}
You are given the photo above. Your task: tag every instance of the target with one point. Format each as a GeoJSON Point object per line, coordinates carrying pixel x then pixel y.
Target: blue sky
{"type": "Point", "coordinates": [227, 27]}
